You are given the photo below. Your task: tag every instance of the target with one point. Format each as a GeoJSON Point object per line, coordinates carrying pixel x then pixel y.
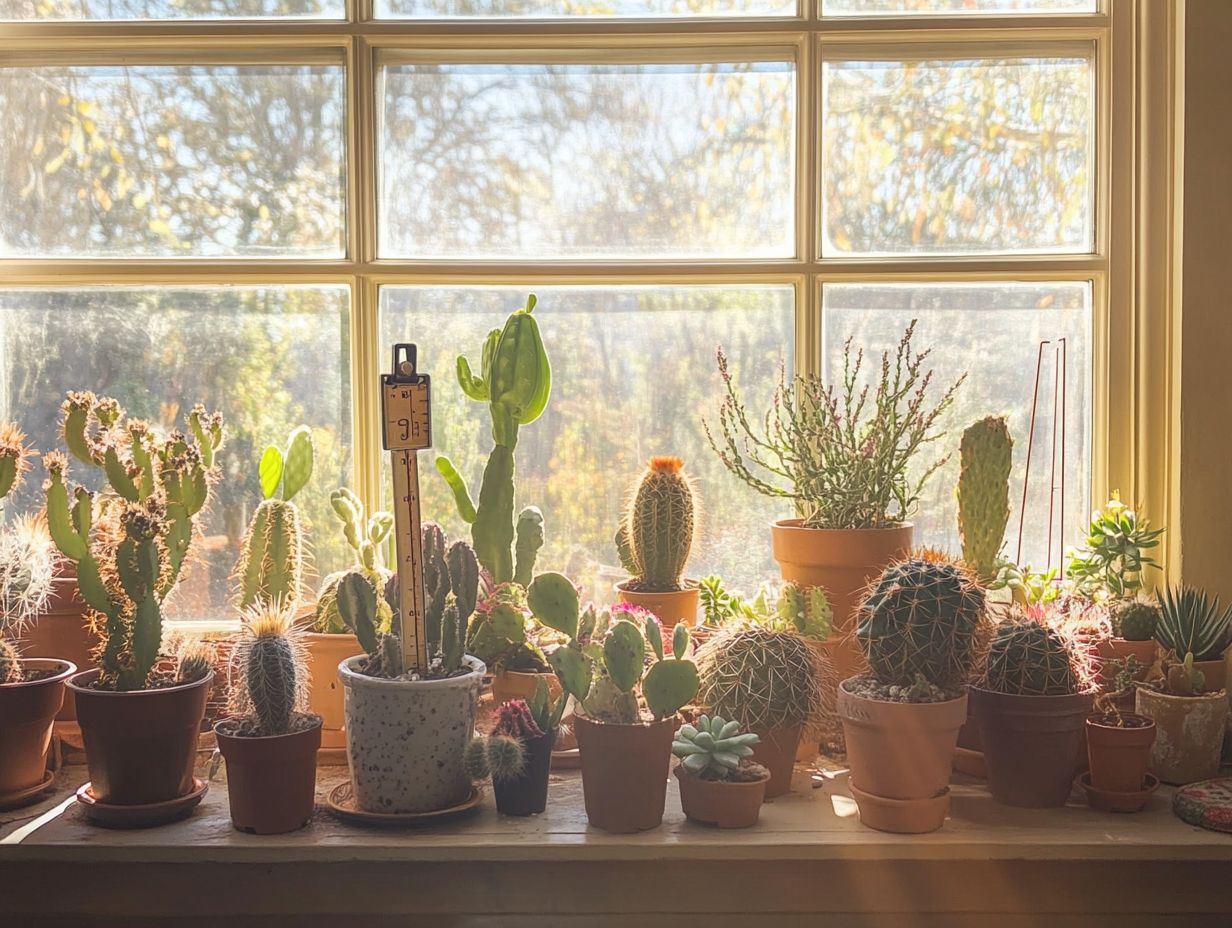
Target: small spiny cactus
{"type": "Point", "coordinates": [656, 534]}
{"type": "Point", "coordinates": [498, 756]}
{"type": "Point", "coordinates": [985, 460]}
{"type": "Point", "coordinates": [10, 663]}
{"type": "Point", "coordinates": [1027, 658]}
{"type": "Point", "coordinates": [272, 667]}
{"type": "Point", "coordinates": [1135, 619]}
{"type": "Point", "coordinates": [194, 662]}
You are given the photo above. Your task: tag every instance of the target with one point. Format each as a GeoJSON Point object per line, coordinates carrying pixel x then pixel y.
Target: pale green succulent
{"type": "Point", "coordinates": [713, 748]}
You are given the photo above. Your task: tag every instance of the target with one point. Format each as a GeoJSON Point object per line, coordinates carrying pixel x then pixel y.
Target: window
{"type": "Point", "coordinates": [247, 202]}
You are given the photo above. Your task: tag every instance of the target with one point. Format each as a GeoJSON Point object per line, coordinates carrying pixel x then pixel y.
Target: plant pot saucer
{"type": "Point", "coordinates": [24, 797]}
{"type": "Point", "coordinates": [901, 816]}
{"type": "Point", "coordinates": [566, 760]}
{"type": "Point", "coordinates": [1106, 800]}
{"type": "Point", "coordinates": [341, 801]}
{"type": "Point", "coordinates": [147, 815]}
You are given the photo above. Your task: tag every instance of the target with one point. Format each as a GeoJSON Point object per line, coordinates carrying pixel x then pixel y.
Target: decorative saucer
{"type": "Point", "coordinates": [341, 801]}
{"type": "Point", "coordinates": [31, 794]}
{"type": "Point", "coordinates": [1207, 803]}
{"type": "Point", "coordinates": [110, 815]}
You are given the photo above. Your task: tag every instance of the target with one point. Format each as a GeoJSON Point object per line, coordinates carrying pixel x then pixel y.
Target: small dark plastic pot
{"type": "Point", "coordinates": [271, 781]}
{"type": "Point", "coordinates": [528, 794]}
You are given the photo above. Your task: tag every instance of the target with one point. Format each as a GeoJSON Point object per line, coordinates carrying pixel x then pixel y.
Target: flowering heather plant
{"type": "Point", "coordinates": [839, 452]}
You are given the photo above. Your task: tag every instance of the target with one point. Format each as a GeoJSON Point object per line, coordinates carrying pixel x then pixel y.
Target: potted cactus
{"type": "Point", "coordinates": [985, 455]}
{"type": "Point", "coordinates": [1191, 623]}
{"type": "Point", "coordinates": [139, 716]}
{"type": "Point", "coordinates": [1133, 635]}
{"type": "Point", "coordinates": [517, 755]}
{"type": "Point", "coordinates": [1118, 747]}
{"type": "Point", "coordinates": [843, 458]}
{"type": "Point", "coordinates": [1031, 704]}
{"type": "Point", "coordinates": [327, 641]}
{"type": "Point", "coordinates": [270, 744]}
{"type": "Point", "coordinates": [654, 540]}
{"type": "Point", "coordinates": [31, 689]}
{"type": "Point", "coordinates": [916, 628]}
{"type": "Point", "coordinates": [771, 682]}
{"type": "Point", "coordinates": [406, 733]}
{"type": "Point", "coordinates": [505, 638]}
{"type": "Point", "coordinates": [1190, 717]}
{"type": "Point", "coordinates": [720, 783]}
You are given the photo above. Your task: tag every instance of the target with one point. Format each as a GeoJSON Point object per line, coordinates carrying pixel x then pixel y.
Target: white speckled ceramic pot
{"type": "Point", "coordinates": [405, 740]}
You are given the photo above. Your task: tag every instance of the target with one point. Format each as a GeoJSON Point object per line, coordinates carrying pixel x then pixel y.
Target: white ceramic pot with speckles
{"type": "Point", "coordinates": [405, 739]}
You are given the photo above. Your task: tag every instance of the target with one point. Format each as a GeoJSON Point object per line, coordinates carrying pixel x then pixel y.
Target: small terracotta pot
{"type": "Point", "coordinates": [528, 793]}
{"type": "Point", "coordinates": [1031, 744]}
{"type": "Point", "coordinates": [325, 653]}
{"type": "Point", "coordinates": [1119, 754]}
{"type": "Point", "coordinates": [1189, 732]}
{"type": "Point", "coordinates": [777, 753]}
{"type": "Point", "coordinates": [624, 772]}
{"type": "Point", "coordinates": [843, 561]}
{"type": "Point", "coordinates": [1119, 649]}
{"type": "Point", "coordinates": [271, 781]}
{"type": "Point", "coordinates": [902, 752]}
{"type": "Point", "coordinates": [719, 803]}
{"type": "Point", "coordinates": [672, 608]}
{"type": "Point", "coordinates": [62, 630]}
{"type": "Point", "coordinates": [508, 685]}
{"type": "Point", "coordinates": [27, 713]}
{"type": "Point", "coordinates": [140, 745]}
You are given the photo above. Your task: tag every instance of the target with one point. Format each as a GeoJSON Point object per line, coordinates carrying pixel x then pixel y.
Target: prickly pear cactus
{"type": "Point", "coordinates": [1028, 658]}
{"type": "Point", "coordinates": [985, 459]}
{"type": "Point", "coordinates": [658, 526]}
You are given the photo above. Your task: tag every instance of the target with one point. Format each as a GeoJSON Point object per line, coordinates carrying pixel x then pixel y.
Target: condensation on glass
{"type": "Point", "coordinates": [270, 358]}
{"type": "Point", "coordinates": [634, 375]}
{"type": "Point", "coordinates": [994, 333]}
{"type": "Point", "coordinates": [952, 157]}
{"type": "Point", "coordinates": [68, 10]}
{"type": "Point", "coordinates": [515, 161]}
{"type": "Point", "coordinates": [172, 161]}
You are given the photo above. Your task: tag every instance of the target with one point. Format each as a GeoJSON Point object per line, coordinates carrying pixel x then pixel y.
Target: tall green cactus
{"type": "Point", "coordinates": [985, 459]}
{"type": "Point", "coordinates": [130, 561]}
{"type": "Point", "coordinates": [270, 569]}
{"type": "Point", "coordinates": [272, 666]}
{"type": "Point", "coordinates": [656, 533]}
{"type": "Point", "coordinates": [515, 381]}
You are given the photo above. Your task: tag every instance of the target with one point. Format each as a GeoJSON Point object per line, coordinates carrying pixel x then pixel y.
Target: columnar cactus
{"type": "Point", "coordinates": [366, 536]}
{"type": "Point", "coordinates": [986, 455]}
{"type": "Point", "coordinates": [657, 530]}
{"type": "Point", "coordinates": [515, 381]}
{"type": "Point", "coordinates": [14, 458]}
{"type": "Point", "coordinates": [919, 619]}
{"type": "Point", "coordinates": [1028, 658]}
{"type": "Point", "coordinates": [272, 669]}
{"type": "Point", "coordinates": [270, 569]}
{"type": "Point", "coordinates": [129, 562]}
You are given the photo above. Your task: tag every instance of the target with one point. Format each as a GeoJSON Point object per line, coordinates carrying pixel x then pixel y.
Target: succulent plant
{"type": "Point", "coordinates": [713, 748]}
{"type": "Point", "coordinates": [10, 663]}
{"type": "Point", "coordinates": [366, 535]}
{"type": "Point", "coordinates": [270, 671]}
{"type": "Point", "coordinates": [1028, 658]}
{"type": "Point", "coordinates": [763, 679]}
{"type": "Point", "coordinates": [1191, 622]}
{"type": "Point", "coordinates": [15, 457]}
{"type": "Point", "coordinates": [985, 458]}
{"type": "Point", "coordinates": [1135, 619]}
{"type": "Point", "coordinates": [515, 381]}
{"type": "Point", "coordinates": [805, 609]}
{"type": "Point", "coordinates": [194, 661]}
{"type": "Point", "coordinates": [1112, 557]}
{"type": "Point", "coordinates": [656, 532]}
{"type": "Point", "coordinates": [794, 608]}
{"type": "Point", "coordinates": [499, 757]}
{"type": "Point", "coordinates": [130, 543]}
{"type": "Point", "coordinates": [918, 619]}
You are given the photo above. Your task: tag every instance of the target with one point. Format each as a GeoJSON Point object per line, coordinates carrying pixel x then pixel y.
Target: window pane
{"type": "Point", "coordinates": [633, 373]}
{"type": "Point", "coordinates": [568, 160]}
{"type": "Point", "coordinates": [171, 9]}
{"type": "Point", "coordinates": [944, 157]}
{"type": "Point", "coordinates": [149, 160]}
{"type": "Point", "coordinates": [993, 332]}
{"type": "Point", "coordinates": [952, 7]}
{"type": "Point", "coordinates": [270, 358]}
{"type": "Point", "coordinates": [570, 9]}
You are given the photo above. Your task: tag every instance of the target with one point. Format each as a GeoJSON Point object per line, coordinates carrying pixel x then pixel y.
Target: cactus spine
{"type": "Point", "coordinates": [515, 381]}
{"type": "Point", "coordinates": [985, 459]}
{"type": "Point", "coordinates": [366, 536]}
{"type": "Point", "coordinates": [1028, 658]}
{"type": "Point", "coordinates": [10, 663]}
{"type": "Point", "coordinates": [656, 534]}
{"type": "Point", "coordinates": [271, 664]}
{"type": "Point", "coordinates": [1135, 619]}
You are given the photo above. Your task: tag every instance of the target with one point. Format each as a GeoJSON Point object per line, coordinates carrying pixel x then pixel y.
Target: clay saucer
{"type": "Point", "coordinates": [24, 797]}
{"type": "Point", "coordinates": [110, 815]}
{"type": "Point", "coordinates": [566, 760]}
{"type": "Point", "coordinates": [1106, 800]}
{"type": "Point", "coordinates": [341, 801]}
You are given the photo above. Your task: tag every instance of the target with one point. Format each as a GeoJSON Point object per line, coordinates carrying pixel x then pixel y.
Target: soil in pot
{"type": "Point", "coordinates": [27, 713]}
{"type": "Point", "coordinates": [720, 803]}
{"type": "Point", "coordinates": [776, 751]}
{"type": "Point", "coordinates": [140, 745]}
{"type": "Point", "coordinates": [1189, 732]}
{"type": "Point", "coordinates": [271, 781]}
{"type": "Point", "coordinates": [528, 794]}
{"type": "Point", "coordinates": [624, 772]}
{"type": "Point", "coordinates": [1031, 744]}
{"type": "Point", "coordinates": [671, 608]}
{"type": "Point", "coordinates": [1119, 749]}
{"type": "Point", "coordinates": [325, 653]}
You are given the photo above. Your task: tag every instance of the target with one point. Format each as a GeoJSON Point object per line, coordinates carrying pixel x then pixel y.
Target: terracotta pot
{"type": "Point", "coordinates": [1119, 754]}
{"type": "Point", "coordinates": [1119, 649]}
{"type": "Point", "coordinates": [517, 684]}
{"type": "Point", "coordinates": [624, 772]}
{"type": "Point", "coordinates": [777, 753]}
{"type": "Point", "coordinates": [672, 608]}
{"type": "Point", "coordinates": [843, 561]}
{"type": "Point", "coordinates": [719, 803]}
{"type": "Point", "coordinates": [1214, 674]}
{"type": "Point", "coordinates": [1031, 744]}
{"type": "Point", "coordinates": [61, 631]}
{"type": "Point", "coordinates": [271, 781]}
{"type": "Point", "coordinates": [528, 793]}
{"type": "Point", "coordinates": [969, 753]}
{"type": "Point", "coordinates": [406, 738]}
{"type": "Point", "coordinates": [902, 752]}
{"type": "Point", "coordinates": [325, 653]}
{"type": "Point", "coordinates": [140, 745]}
{"type": "Point", "coordinates": [27, 712]}
{"type": "Point", "coordinates": [1189, 733]}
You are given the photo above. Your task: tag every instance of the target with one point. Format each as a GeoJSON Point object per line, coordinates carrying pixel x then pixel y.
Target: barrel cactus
{"type": "Point", "coordinates": [918, 620]}
{"type": "Point", "coordinates": [1135, 619]}
{"type": "Point", "coordinates": [1027, 658]}
{"type": "Point", "coordinates": [985, 459]}
{"type": "Point", "coordinates": [656, 533]}
{"type": "Point", "coordinates": [270, 670]}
